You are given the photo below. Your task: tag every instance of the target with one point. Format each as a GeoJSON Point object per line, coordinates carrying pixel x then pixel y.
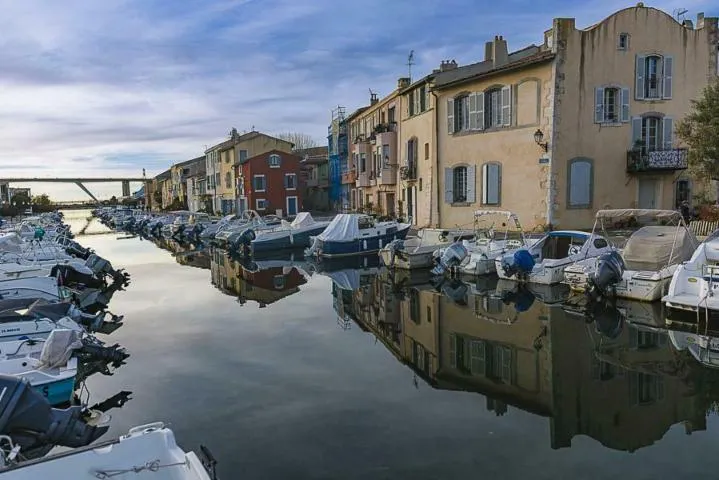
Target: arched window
{"type": "Point", "coordinates": [491, 183]}
{"type": "Point", "coordinates": [580, 183]}
{"type": "Point", "coordinates": [653, 69]}
{"type": "Point", "coordinates": [228, 180]}
{"type": "Point", "coordinates": [275, 161]}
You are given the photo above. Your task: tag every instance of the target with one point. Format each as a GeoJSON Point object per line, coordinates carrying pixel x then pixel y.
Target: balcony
{"type": "Point", "coordinates": [348, 177]}
{"type": "Point", "coordinates": [363, 179]}
{"type": "Point", "coordinates": [408, 172]}
{"type": "Point", "coordinates": [670, 160]}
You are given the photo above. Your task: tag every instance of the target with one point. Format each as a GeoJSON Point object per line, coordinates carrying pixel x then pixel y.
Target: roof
{"type": "Point", "coordinates": [268, 153]}
{"type": "Point", "coordinates": [164, 175]}
{"type": "Point", "coordinates": [313, 151]}
{"type": "Point", "coordinates": [356, 113]}
{"type": "Point", "coordinates": [231, 142]}
{"type": "Point", "coordinates": [521, 58]}
{"type": "Point", "coordinates": [416, 84]}
{"type": "Point", "coordinates": [190, 162]}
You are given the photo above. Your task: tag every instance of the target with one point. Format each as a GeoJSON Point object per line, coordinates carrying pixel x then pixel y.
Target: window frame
{"type": "Point", "coordinates": [257, 204]}
{"type": "Point", "coordinates": [658, 76]}
{"type": "Point", "coordinates": [492, 117]}
{"type": "Point", "coordinates": [264, 183]}
{"type": "Point", "coordinates": [570, 163]}
{"type": "Point", "coordinates": [271, 158]}
{"type": "Point", "coordinates": [623, 36]}
{"type": "Point", "coordinates": [294, 177]}
{"type": "Point", "coordinates": [228, 180]}
{"type": "Point", "coordinates": [455, 197]}
{"type": "Point", "coordinates": [461, 112]}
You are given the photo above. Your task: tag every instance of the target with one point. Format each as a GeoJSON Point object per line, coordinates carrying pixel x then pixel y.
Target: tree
{"type": "Point", "coordinates": [301, 141]}
{"type": "Point", "coordinates": [42, 200]}
{"type": "Point", "coordinates": [698, 131]}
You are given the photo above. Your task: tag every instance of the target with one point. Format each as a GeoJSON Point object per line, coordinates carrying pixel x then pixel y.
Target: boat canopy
{"type": "Point", "coordinates": [502, 213]}
{"type": "Point", "coordinates": [303, 219]}
{"type": "Point", "coordinates": [655, 247]}
{"type": "Point", "coordinates": [343, 228]}
{"type": "Point", "coordinates": [635, 212]}
{"type": "Point", "coordinates": [345, 279]}
{"type": "Point", "coordinates": [10, 242]}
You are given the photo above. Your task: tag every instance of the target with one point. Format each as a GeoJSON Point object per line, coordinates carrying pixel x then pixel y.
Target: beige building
{"type": "Point", "coordinates": [582, 122]}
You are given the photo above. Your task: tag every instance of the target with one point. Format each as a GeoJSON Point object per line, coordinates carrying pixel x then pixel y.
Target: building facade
{"type": "Point", "coordinates": [270, 183]}
{"type": "Point", "coordinates": [339, 165]}
{"type": "Point", "coordinates": [315, 178]}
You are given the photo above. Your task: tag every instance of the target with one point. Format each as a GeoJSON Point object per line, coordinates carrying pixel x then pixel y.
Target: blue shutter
{"type": "Point", "coordinates": [667, 133]}
{"type": "Point", "coordinates": [448, 185]}
{"type": "Point", "coordinates": [639, 78]}
{"type": "Point", "coordinates": [668, 67]}
{"type": "Point", "coordinates": [471, 183]}
{"type": "Point", "coordinates": [598, 105]}
{"type": "Point", "coordinates": [626, 99]}
{"type": "Point", "coordinates": [287, 181]}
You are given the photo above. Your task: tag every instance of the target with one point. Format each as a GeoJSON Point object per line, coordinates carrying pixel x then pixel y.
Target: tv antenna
{"type": "Point", "coordinates": [410, 62]}
{"type": "Point", "coordinates": [679, 14]}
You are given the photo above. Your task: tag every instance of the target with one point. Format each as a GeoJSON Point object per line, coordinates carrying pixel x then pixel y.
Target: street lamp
{"type": "Point", "coordinates": [538, 137]}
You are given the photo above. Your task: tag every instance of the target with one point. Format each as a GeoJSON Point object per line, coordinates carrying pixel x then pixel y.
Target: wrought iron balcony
{"type": "Point", "coordinates": [668, 160]}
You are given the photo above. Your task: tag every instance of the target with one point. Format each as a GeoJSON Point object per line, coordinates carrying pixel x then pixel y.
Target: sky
{"type": "Point", "coordinates": [107, 88]}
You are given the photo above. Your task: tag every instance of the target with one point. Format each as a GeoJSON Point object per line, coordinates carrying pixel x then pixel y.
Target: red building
{"type": "Point", "coordinates": [269, 183]}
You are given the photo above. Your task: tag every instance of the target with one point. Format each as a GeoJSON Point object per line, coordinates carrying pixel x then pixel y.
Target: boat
{"type": "Point", "coordinates": [418, 252]}
{"type": "Point", "coordinates": [545, 261]}
{"type": "Point", "coordinates": [695, 283]}
{"type": "Point", "coordinates": [643, 268]}
{"type": "Point", "coordinates": [704, 348]}
{"type": "Point", "coordinates": [477, 256]}
{"type": "Point", "coordinates": [288, 235]}
{"type": "Point", "coordinates": [351, 234]}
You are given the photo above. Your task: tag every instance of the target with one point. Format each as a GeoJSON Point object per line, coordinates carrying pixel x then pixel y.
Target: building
{"type": "Point", "coordinates": [339, 165]}
{"type": "Point", "coordinates": [527, 131]}
{"type": "Point", "coordinates": [7, 192]}
{"type": "Point", "coordinates": [212, 178]}
{"type": "Point", "coordinates": [195, 177]}
{"type": "Point", "coordinates": [348, 177]}
{"type": "Point", "coordinates": [315, 178]}
{"type": "Point", "coordinates": [179, 194]}
{"type": "Point", "coordinates": [269, 183]}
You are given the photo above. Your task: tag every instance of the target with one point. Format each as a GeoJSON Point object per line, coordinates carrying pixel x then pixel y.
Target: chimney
{"type": "Point", "coordinates": [488, 51]}
{"type": "Point", "coordinates": [700, 20]}
{"type": "Point", "coordinates": [403, 82]}
{"type": "Point", "coordinates": [373, 99]}
{"type": "Point", "coordinates": [499, 51]}
{"type": "Point", "coordinates": [447, 65]}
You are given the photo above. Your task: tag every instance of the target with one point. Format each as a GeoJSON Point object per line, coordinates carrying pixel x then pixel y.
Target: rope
{"type": "Point", "coordinates": [152, 466]}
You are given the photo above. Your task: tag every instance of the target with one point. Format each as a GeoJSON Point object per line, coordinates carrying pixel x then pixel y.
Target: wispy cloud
{"type": "Point", "coordinates": [114, 87]}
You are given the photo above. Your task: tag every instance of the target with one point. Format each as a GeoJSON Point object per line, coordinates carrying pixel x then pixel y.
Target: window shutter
{"type": "Point", "coordinates": [636, 130]}
{"type": "Point", "coordinates": [453, 350]}
{"type": "Point", "coordinates": [287, 181]}
{"type": "Point", "coordinates": [450, 116]}
{"type": "Point", "coordinates": [667, 133]}
{"type": "Point", "coordinates": [480, 110]}
{"type": "Point", "coordinates": [473, 120]}
{"type": "Point", "coordinates": [598, 105]}
{"type": "Point", "coordinates": [667, 77]}
{"type": "Point", "coordinates": [639, 78]}
{"type": "Point", "coordinates": [448, 185]}
{"type": "Point", "coordinates": [625, 104]}
{"type": "Point", "coordinates": [471, 183]}
{"type": "Point", "coordinates": [507, 105]}
{"type": "Point", "coordinates": [485, 177]}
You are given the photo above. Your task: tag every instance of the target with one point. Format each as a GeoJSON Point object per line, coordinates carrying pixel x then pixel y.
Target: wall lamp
{"type": "Point", "coordinates": [538, 137]}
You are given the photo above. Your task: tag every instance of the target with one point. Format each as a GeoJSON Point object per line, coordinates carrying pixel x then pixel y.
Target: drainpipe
{"type": "Point", "coordinates": [434, 205]}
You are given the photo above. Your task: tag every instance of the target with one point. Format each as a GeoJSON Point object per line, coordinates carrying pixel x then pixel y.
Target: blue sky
{"type": "Point", "coordinates": [110, 87]}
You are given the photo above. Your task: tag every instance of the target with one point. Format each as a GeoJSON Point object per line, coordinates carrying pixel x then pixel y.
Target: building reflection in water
{"type": "Point", "coordinates": [613, 375]}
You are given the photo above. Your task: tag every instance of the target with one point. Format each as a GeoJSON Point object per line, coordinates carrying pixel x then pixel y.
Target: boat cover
{"type": "Point", "coordinates": [650, 248]}
{"type": "Point", "coordinates": [343, 228]}
{"type": "Point", "coordinates": [10, 242]}
{"type": "Point", "coordinates": [346, 279]}
{"type": "Point", "coordinates": [58, 347]}
{"type": "Point", "coordinates": [303, 219]}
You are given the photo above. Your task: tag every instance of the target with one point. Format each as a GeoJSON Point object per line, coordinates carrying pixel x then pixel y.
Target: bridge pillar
{"type": "Point", "coordinates": [125, 188]}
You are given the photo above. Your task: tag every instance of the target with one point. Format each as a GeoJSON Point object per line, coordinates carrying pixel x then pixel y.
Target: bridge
{"type": "Point", "coordinates": [79, 181]}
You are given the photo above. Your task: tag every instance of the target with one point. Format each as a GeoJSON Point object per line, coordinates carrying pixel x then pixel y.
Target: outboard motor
{"type": "Point", "coordinates": [521, 297]}
{"type": "Point", "coordinates": [453, 256]}
{"type": "Point", "coordinates": [394, 247]}
{"type": "Point", "coordinates": [27, 417]}
{"type": "Point", "coordinates": [608, 271]}
{"type": "Point", "coordinates": [70, 276]}
{"type": "Point", "coordinates": [244, 239]}
{"type": "Point", "coordinates": [519, 263]}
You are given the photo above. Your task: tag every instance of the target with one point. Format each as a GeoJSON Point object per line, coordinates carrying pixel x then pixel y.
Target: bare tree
{"type": "Point", "coordinates": [302, 141]}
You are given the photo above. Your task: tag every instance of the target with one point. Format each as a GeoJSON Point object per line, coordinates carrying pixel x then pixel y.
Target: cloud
{"type": "Point", "coordinates": [109, 88]}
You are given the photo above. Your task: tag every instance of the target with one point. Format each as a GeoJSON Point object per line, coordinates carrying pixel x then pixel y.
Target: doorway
{"type": "Point", "coordinates": [291, 206]}
{"type": "Point", "coordinates": [647, 193]}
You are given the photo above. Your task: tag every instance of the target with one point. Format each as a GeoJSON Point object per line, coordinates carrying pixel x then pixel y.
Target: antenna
{"type": "Point", "coordinates": [679, 14]}
{"type": "Point", "coordinates": [410, 62]}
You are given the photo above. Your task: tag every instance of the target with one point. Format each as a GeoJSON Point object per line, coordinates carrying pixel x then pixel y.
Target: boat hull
{"type": "Point", "coordinates": [362, 246]}
{"type": "Point", "coordinates": [296, 240]}
{"type": "Point", "coordinates": [407, 260]}
{"type": "Point", "coordinates": [57, 392]}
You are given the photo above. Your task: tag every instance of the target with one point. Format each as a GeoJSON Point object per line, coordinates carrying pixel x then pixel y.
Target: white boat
{"type": "Point", "coordinates": [545, 260]}
{"type": "Point", "coordinates": [695, 284]}
{"type": "Point", "coordinates": [287, 235]}
{"type": "Point", "coordinates": [643, 268]}
{"type": "Point", "coordinates": [418, 252]}
{"type": "Point", "coordinates": [703, 348]}
{"type": "Point", "coordinates": [147, 451]}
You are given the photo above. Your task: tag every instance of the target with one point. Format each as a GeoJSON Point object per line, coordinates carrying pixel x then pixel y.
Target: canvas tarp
{"type": "Point", "coordinates": [10, 242]}
{"type": "Point", "coordinates": [345, 279]}
{"type": "Point", "coordinates": [654, 247]}
{"type": "Point", "coordinates": [303, 219]}
{"type": "Point", "coordinates": [636, 212]}
{"type": "Point", "coordinates": [59, 346]}
{"type": "Point", "coordinates": [343, 228]}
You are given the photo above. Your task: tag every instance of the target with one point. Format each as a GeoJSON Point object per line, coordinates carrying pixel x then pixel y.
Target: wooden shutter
{"type": "Point", "coordinates": [471, 183]}
{"type": "Point", "coordinates": [480, 110]}
{"type": "Point", "coordinates": [639, 78]}
{"type": "Point", "coordinates": [598, 105]}
{"type": "Point", "coordinates": [668, 67]}
{"type": "Point", "coordinates": [625, 104]}
{"type": "Point", "coordinates": [667, 133]}
{"type": "Point", "coordinates": [448, 185]}
{"type": "Point", "coordinates": [473, 120]}
{"type": "Point", "coordinates": [490, 183]}
{"type": "Point", "coordinates": [636, 130]}
{"type": "Point", "coordinates": [450, 116]}
{"type": "Point", "coordinates": [506, 105]}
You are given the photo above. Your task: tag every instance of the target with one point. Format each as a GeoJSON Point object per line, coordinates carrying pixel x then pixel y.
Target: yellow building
{"type": "Point", "coordinates": [582, 122]}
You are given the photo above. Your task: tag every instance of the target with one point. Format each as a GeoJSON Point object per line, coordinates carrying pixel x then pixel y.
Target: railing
{"type": "Point", "coordinates": [408, 172]}
{"type": "Point", "coordinates": [657, 160]}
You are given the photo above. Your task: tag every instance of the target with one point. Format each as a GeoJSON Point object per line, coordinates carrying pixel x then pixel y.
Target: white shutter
{"type": "Point", "coordinates": [598, 105]}
{"type": "Point", "coordinates": [636, 130]}
{"type": "Point", "coordinates": [491, 181]}
{"type": "Point", "coordinates": [668, 67]}
{"type": "Point", "coordinates": [471, 183]}
{"type": "Point", "coordinates": [667, 133]}
{"type": "Point", "coordinates": [448, 185]}
{"type": "Point", "coordinates": [639, 78]}
{"type": "Point", "coordinates": [507, 105]}
{"type": "Point", "coordinates": [626, 98]}
{"type": "Point", "coordinates": [473, 120]}
{"type": "Point", "coordinates": [480, 110]}
{"type": "Point", "coordinates": [450, 116]}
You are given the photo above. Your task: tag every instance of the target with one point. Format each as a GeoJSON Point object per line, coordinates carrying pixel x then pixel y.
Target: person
{"type": "Point", "coordinates": [685, 211]}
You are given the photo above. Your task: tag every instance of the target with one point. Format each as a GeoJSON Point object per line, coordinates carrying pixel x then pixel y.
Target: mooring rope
{"type": "Point", "coordinates": [152, 466]}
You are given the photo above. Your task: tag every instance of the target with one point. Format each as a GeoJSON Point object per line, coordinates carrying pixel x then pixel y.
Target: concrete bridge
{"type": "Point", "coordinates": [79, 181]}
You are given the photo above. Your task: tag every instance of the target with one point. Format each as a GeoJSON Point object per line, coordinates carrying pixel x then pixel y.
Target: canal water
{"type": "Point", "coordinates": [289, 370]}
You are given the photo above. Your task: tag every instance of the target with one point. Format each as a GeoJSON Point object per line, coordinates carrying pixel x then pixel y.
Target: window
{"type": "Point", "coordinates": [228, 180]}
{"type": "Point", "coordinates": [426, 151]}
{"type": "Point", "coordinates": [410, 104]}
{"type": "Point", "coordinates": [652, 133]}
{"type": "Point", "coordinates": [459, 119]}
{"type": "Point", "coordinates": [275, 161]}
{"type": "Point", "coordinates": [623, 41]}
{"type": "Point", "coordinates": [385, 156]}
{"type": "Point", "coordinates": [460, 185]}
{"type": "Point", "coordinates": [682, 193]}
{"type": "Point", "coordinates": [243, 156]}
{"type": "Point", "coordinates": [217, 179]}
{"type": "Point", "coordinates": [227, 156]}
{"type": "Point", "coordinates": [580, 183]}
{"type": "Point", "coordinates": [362, 163]}
{"type": "Point", "coordinates": [258, 183]}
{"type": "Point", "coordinates": [261, 204]}
{"type": "Point", "coordinates": [290, 181]}
{"type": "Point", "coordinates": [423, 98]}
{"type": "Point", "coordinates": [493, 108]}
{"type": "Point", "coordinates": [480, 110]}
{"type": "Point", "coordinates": [654, 77]}
{"type": "Point", "coordinates": [611, 105]}
{"type": "Point", "coordinates": [652, 80]}
{"type": "Point", "coordinates": [391, 115]}
{"type": "Point", "coordinates": [491, 183]}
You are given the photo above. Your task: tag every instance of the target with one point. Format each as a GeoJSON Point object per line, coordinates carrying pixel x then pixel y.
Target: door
{"type": "Point", "coordinates": [243, 204]}
{"type": "Point", "coordinates": [291, 206]}
{"type": "Point", "coordinates": [647, 193]}
{"type": "Point", "coordinates": [390, 205]}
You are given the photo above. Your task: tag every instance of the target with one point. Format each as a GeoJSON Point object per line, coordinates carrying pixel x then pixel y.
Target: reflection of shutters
{"type": "Point", "coordinates": [450, 116]}
{"type": "Point", "coordinates": [507, 105]}
{"type": "Point", "coordinates": [667, 133]}
{"type": "Point", "coordinates": [478, 365]}
{"type": "Point", "coordinates": [471, 183]}
{"type": "Point", "coordinates": [448, 185]}
{"type": "Point", "coordinates": [473, 119]}
{"type": "Point", "coordinates": [480, 110]}
{"type": "Point", "coordinates": [598, 105]}
{"type": "Point", "coordinates": [453, 351]}
{"type": "Point", "coordinates": [659, 382]}
{"type": "Point", "coordinates": [634, 388]}
{"type": "Point", "coordinates": [667, 77]}
{"type": "Point", "coordinates": [625, 104]}
{"type": "Point", "coordinates": [636, 130]}
{"type": "Point", "coordinates": [639, 78]}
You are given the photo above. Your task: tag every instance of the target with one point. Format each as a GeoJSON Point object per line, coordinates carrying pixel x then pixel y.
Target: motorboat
{"type": "Point", "coordinates": [545, 261]}
{"type": "Point", "coordinates": [418, 252]}
{"type": "Point", "coordinates": [210, 230]}
{"type": "Point", "coordinates": [695, 283]}
{"type": "Point", "coordinates": [478, 256]}
{"type": "Point", "coordinates": [643, 268]}
{"type": "Point", "coordinates": [704, 348]}
{"type": "Point", "coordinates": [226, 234]}
{"type": "Point", "coordinates": [288, 235]}
{"type": "Point", "coordinates": [351, 234]}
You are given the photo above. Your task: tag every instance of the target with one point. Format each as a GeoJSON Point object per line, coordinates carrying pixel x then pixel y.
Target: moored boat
{"type": "Point", "coordinates": [351, 234]}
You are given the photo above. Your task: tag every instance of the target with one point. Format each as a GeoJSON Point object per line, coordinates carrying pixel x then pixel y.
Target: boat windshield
{"type": "Point", "coordinates": [365, 222]}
